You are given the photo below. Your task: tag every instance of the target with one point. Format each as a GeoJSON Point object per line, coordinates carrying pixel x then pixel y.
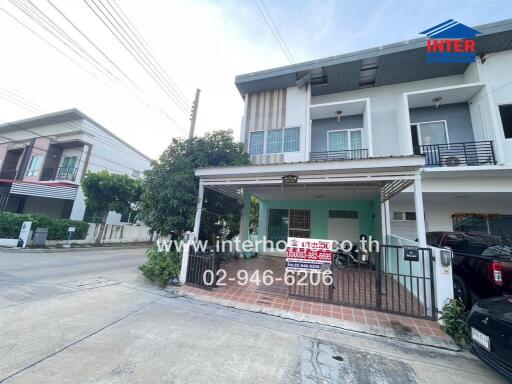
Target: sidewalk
{"type": "Point", "coordinates": [413, 330]}
{"type": "Point", "coordinates": [78, 248]}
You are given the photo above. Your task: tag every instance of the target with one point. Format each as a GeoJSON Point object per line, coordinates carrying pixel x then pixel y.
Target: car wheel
{"type": "Point", "coordinates": [461, 291]}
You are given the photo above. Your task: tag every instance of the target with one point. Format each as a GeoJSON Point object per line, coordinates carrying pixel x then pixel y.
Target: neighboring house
{"type": "Point", "coordinates": [370, 141]}
{"type": "Point", "coordinates": [44, 159]}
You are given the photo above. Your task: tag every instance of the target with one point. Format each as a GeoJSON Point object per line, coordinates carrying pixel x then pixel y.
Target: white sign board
{"type": "Point", "coordinates": [309, 255]}
{"type": "Point", "coordinates": [25, 231]}
{"type": "Point", "coordinates": [71, 229]}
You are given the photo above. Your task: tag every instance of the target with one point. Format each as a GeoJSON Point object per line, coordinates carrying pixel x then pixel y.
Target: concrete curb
{"type": "Point", "coordinates": [74, 249]}
{"type": "Point", "coordinates": [435, 342]}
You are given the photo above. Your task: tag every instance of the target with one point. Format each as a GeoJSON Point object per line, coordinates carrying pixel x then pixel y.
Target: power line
{"type": "Point", "coordinates": [70, 124]}
{"type": "Point", "coordinates": [38, 109]}
{"type": "Point", "coordinates": [40, 18]}
{"type": "Point", "coordinates": [30, 14]}
{"type": "Point", "coordinates": [52, 45]}
{"type": "Point", "coordinates": [122, 15]}
{"type": "Point", "coordinates": [134, 52]}
{"type": "Point", "coordinates": [273, 28]}
{"type": "Point", "coordinates": [93, 44]}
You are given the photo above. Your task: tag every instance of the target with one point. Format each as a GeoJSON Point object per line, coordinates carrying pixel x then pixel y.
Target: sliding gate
{"type": "Point", "coordinates": [392, 280]}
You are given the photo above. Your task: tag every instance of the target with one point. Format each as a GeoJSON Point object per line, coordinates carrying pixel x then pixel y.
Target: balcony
{"type": "Point", "coordinates": [457, 154]}
{"type": "Point", "coordinates": [339, 155]}
{"type": "Point", "coordinates": [61, 173]}
{"type": "Point", "coordinates": [8, 174]}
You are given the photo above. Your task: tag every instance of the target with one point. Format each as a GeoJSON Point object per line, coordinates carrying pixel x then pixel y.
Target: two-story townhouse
{"type": "Point", "coordinates": [374, 139]}
{"type": "Point", "coordinates": [381, 143]}
{"type": "Point", "coordinates": [44, 159]}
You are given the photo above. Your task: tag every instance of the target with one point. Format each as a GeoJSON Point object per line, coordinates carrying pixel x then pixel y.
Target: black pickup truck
{"type": "Point", "coordinates": [482, 265]}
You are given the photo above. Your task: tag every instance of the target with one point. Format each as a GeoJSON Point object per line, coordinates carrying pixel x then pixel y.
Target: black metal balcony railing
{"type": "Point", "coordinates": [61, 173]}
{"type": "Point", "coordinates": [339, 155]}
{"type": "Point", "coordinates": [457, 154]}
{"type": "Point", "coordinates": [8, 174]}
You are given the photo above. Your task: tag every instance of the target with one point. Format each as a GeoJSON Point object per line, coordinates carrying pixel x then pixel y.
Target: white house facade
{"type": "Point", "coordinates": [366, 116]}
{"type": "Point", "coordinates": [44, 159]}
{"type": "Point", "coordinates": [379, 143]}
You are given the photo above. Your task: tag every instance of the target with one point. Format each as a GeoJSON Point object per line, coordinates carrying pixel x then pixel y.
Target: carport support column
{"type": "Point", "coordinates": [420, 213]}
{"type": "Point", "coordinates": [193, 236]}
{"type": "Point", "coordinates": [386, 221]}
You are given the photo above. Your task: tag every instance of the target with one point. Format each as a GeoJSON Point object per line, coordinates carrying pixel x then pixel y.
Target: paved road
{"type": "Point", "coordinates": [89, 317]}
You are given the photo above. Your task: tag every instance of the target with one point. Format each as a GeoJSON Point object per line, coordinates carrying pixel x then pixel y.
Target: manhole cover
{"type": "Point", "coordinates": [96, 282]}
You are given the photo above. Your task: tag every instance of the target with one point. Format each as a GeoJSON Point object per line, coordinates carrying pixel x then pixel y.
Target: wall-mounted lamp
{"type": "Point", "coordinates": [436, 100]}
{"type": "Point", "coordinates": [338, 115]}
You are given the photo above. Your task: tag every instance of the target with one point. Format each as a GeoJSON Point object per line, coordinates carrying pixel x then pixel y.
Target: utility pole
{"type": "Point", "coordinates": [193, 114]}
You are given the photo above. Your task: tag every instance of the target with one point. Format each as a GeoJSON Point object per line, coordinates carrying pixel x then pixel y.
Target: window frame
{"type": "Point", "coordinates": [298, 141]}
{"type": "Point", "coordinates": [508, 105]}
{"type": "Point", "coordinates": [30, 172]}
{"type": "Point", "coordinates": [263, 143]}
{"type": "Point", "coordinates": [349, 138]}
{"type": "Point", "coordinates": [288, 224]}
{"type": "Point", "coordinates": [267, 132]}
{"type": "Point", "coordinates": [418, 130]}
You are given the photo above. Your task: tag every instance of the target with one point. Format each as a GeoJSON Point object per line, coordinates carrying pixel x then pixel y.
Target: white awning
{"type": "Point", "coordinates": [44, 190]}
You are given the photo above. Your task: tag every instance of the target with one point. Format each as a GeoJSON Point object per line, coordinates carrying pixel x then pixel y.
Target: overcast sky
{"type": "Point", "coordinates": [201, 44]}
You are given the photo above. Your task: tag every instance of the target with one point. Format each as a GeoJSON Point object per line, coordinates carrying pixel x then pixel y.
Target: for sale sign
{"type": "Point", "coordinates": [309, 255]}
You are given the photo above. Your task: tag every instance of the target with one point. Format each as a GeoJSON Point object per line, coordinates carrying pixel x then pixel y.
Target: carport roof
{"type": "Point", "coordinates": [393, 63]}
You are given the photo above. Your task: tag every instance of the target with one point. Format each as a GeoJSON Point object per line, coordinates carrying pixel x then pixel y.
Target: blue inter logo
{"type": "Point", "coordinates": [451, 42]}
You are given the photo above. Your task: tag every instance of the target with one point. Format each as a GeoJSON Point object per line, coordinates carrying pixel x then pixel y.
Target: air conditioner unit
{"type": "Point", "coordinates": [452, 161]}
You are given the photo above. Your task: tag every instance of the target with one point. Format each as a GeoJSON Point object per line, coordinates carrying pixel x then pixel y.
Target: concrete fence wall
{"type": "Point", "coordinates": [110, 233]}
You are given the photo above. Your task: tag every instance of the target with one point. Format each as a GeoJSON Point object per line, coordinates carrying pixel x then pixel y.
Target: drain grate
{"type": "Point", "coordinates": [96, 282]}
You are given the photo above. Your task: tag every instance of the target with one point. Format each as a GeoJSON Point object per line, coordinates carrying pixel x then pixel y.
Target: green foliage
{"type": "Point", "coordinates": [106, 192]}
{"type": "Point", "coordinates": [254, 215]}
{"type": "Point", "coordinates": [161, 266]}
{"type": "Point", "coordinates": [170, 188]}
{"type": "Point", "coordinates": [455, 321]}
{"type": "Point", "coordinates": [10, 225]}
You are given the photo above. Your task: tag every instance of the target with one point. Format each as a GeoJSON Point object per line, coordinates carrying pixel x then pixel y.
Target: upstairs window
{"type": "Point", "coordinates": [291, 142]}
{"type": "Point", "coordinates": [34, 166]}
{"type": "Point", "coordinates": [275, 141]}
{"type": "Point", "coordinates": [506, 120]}
{"type": "Point", "coordinates": [344, 140]}
{"type": "Point", "coordinates": [256, 143]}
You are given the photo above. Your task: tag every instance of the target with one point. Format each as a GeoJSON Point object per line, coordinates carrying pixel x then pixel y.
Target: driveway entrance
{"type": "Point", "coordinates": [387, 282]}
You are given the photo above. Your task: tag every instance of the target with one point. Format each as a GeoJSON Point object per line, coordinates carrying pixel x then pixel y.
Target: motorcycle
{"type": "Point", "coordinates": [344, 258]}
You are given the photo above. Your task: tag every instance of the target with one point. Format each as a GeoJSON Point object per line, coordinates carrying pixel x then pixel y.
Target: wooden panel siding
{"type": "Point", "coordinates": [265, 111]}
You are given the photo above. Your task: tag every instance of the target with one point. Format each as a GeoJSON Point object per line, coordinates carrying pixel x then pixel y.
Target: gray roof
{"type": "Point", "coordinates": [396, 63]}
{"type": "Point", "coordinates": [62, 117]}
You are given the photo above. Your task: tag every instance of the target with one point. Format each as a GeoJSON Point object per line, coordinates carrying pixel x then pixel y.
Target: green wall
{"type": "Point", "coordinates": [368, 212]}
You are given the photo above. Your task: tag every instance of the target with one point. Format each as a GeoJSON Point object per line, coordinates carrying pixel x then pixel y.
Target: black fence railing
{"type": "Point", "coordinates": [202, 270]}
{"type": "Point", "coordinates": [457, 154]}
{"type": "Point", "coordinates": [61, 173]}
{"type": "Point", "coordinates": [8, 174]}
{"type": "Point", "coordinates": [384, 282]}
{"type": "Point", "coordinates": [340, 155]}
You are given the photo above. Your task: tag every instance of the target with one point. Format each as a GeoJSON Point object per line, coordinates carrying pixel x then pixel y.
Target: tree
{"type": "Point", "coordinates": [169, 194]}
{"type": "Point", "coordinates": [106, 192]}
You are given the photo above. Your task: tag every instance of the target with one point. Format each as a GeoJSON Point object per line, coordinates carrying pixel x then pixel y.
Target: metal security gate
{"type": "Point", "coordinates": [387, 282]}
{"type": "Point", "coordinates": [202, 270]}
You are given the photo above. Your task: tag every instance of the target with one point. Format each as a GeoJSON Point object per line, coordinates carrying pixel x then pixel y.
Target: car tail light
{"type": "Point", "coordinates": [496, 269]}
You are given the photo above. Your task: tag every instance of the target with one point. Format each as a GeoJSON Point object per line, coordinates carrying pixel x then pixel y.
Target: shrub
{"type": "Point", "coordinates": [10, 225]}
{"type": "Point", "coordinates": [161, 266]}
{"type": "Point", "coordinates": [455, 321]}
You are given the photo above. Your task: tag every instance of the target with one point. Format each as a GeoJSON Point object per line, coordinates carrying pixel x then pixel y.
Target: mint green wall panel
{"type": "Point", "coordinates": [368, 212]}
